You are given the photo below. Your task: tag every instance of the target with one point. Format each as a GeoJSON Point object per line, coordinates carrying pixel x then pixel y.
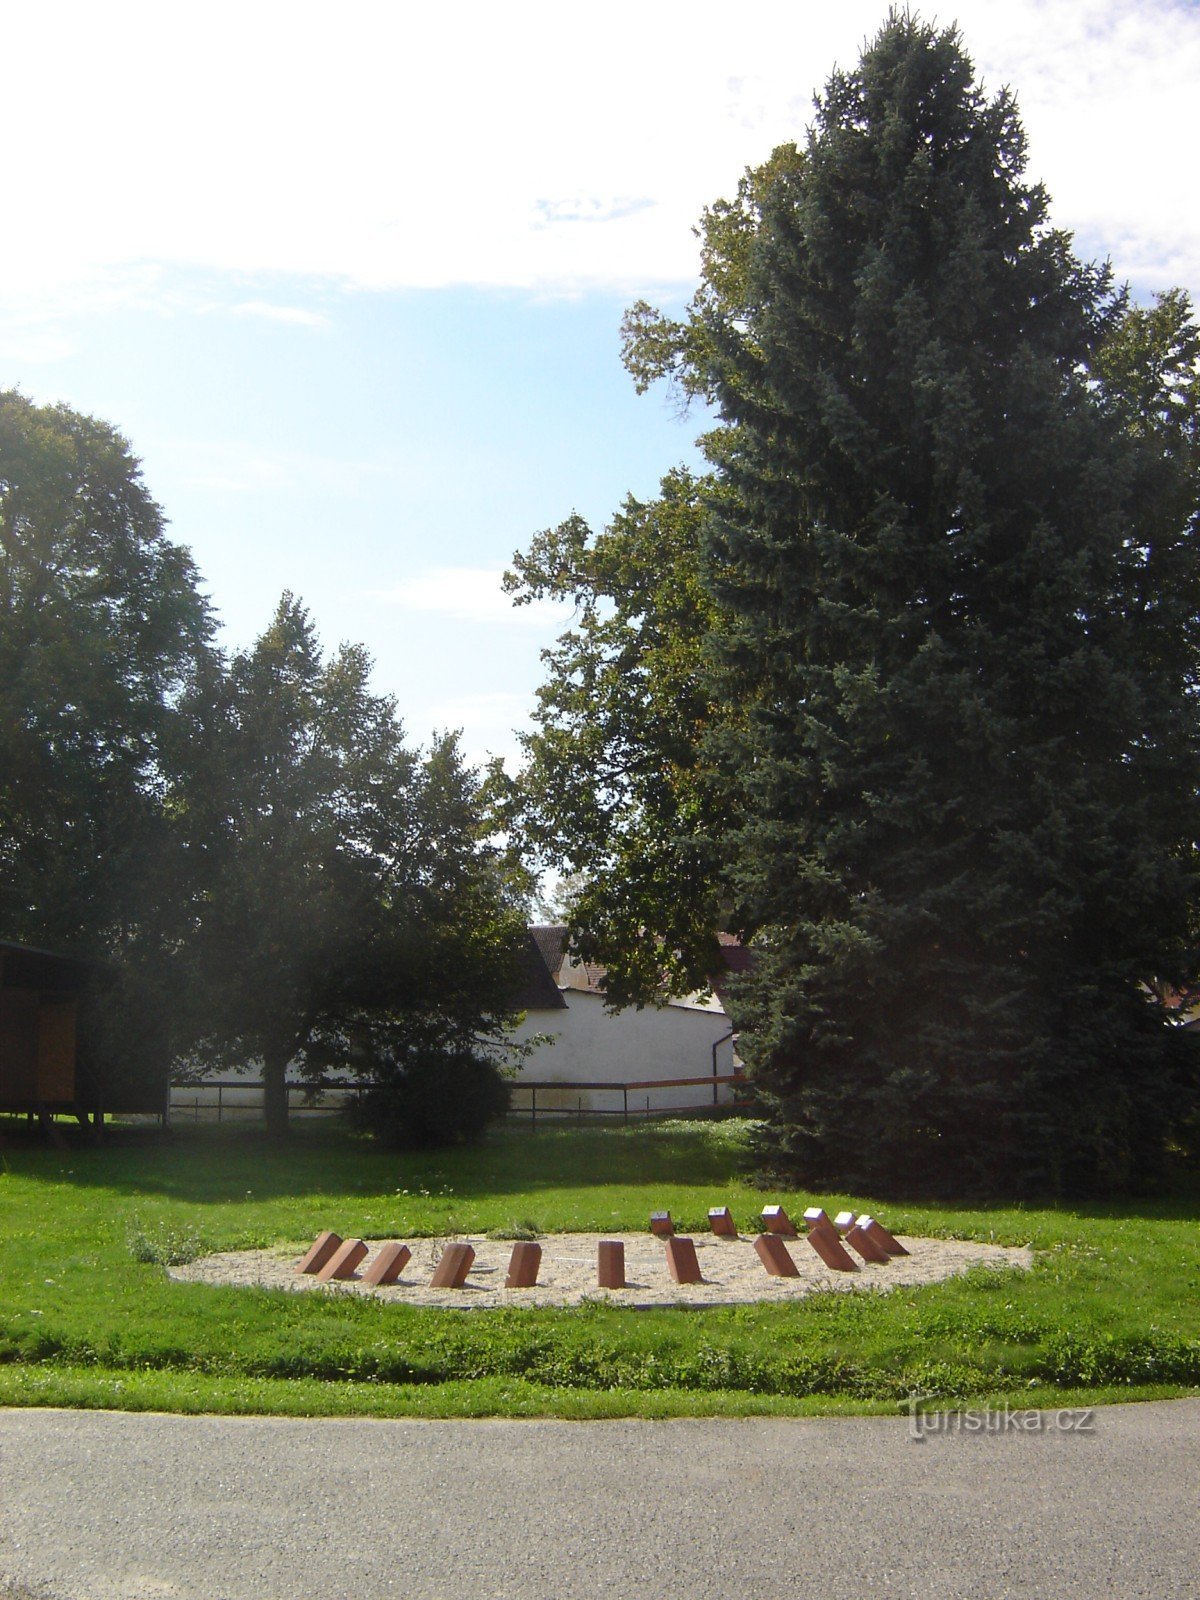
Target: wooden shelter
{"type": "Point", "coordinates": [39, 1006]}
{"type": "Point", "coordinates": [46, 1068]}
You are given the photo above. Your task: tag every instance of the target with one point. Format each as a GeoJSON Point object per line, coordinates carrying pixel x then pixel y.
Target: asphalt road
{"type": "Point", "coordinates": [109, 1506]}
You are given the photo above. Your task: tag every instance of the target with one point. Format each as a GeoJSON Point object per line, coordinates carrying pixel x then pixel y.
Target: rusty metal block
{"type": "Point", "coordinates": [720, 1220]}
{"type": "Point", "coordinates": [343, 1261]}
{"type": "Point", "coordinates": [859, 1239]}
{"type": "Point", "coordinates": [523, 1265]}
{"type": "Point", "coordinates": [681, 1261]}
{"type": "Point", "coordinates": [832, 1252]}
{"type": "Point", "coordinates": [876, 1230]}
{"type": "Point", "coordinates": [319, 1252]}
{"type": "Point", "coordinates": [776, 1220]}
{"type": "Point", "coordinates": [774, 1255]}
{"type": "Point", "coordinates": [388, 1264]}
{"type": "Point", "coordinates": [610, 1264]}
{"type": "Point", "coordinates": [451, 1271]}
{"type": "Point", "coordinates": [845, 1220]}
{"type": "Point", "coordinates": [661, 1224]}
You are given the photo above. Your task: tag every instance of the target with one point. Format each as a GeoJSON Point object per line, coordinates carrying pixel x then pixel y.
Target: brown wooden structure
{"type": "Point", "coordinates": [45, 1070]}
{"type": "Point", "coordinates": [39, 1008]}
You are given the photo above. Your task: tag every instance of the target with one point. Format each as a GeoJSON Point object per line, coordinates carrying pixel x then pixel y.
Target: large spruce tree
{"type": "Point", "coordinates": [926, 731]}
{"type": "Point", "coordinates": [960, 623]}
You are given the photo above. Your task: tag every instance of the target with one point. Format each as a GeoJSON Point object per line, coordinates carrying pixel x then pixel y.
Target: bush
{"type": "Point", "coordinates": [429, 1097]}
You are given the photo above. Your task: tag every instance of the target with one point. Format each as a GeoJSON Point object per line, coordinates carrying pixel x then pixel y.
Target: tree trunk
{"type": "Point", "coordinates": [275, 1099]}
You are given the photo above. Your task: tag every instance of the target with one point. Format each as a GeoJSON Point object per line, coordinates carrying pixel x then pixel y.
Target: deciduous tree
{"type": "Point", "coordinates": [613, 791]}
{"type": "Point", "coordinates": [102, 628]}
{"type": "Point", "coordinates": [351, 905]}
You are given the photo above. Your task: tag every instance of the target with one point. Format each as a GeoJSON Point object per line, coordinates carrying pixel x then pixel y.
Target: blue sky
{"type": "Point", "coordinates": [350, 281]}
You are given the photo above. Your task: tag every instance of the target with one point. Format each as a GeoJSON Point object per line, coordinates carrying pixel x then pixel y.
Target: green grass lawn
{"type": "Point", "coordinates": [1111, 1310]}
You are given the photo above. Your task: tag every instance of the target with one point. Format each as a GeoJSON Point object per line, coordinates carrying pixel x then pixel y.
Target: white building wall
{"type": "Point", "coordinates": [591, 1045]}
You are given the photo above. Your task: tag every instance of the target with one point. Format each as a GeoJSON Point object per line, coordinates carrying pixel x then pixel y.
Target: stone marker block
{"type": "Point", "coordinates": [343, 1261]}
{"type": "Point", "coordinates": [610, 1264]}
{"type": "Point", "coordinates": [661, 1224]}
{"type": "Point", "coordinates": [832, 1252]}
{"type": "Point", "coordinates": [859, 1239]}
{"type": "Point", "coordinates": [845, 1220]}
{"type": "Point", "coordinates": [388, 1264]}
{"type": "Point", "coordinates": [720, 1220]}
{"type": "Point", "coordinates": [815, 1221]}
{"type": "Point", "coordinates": [319, 1252]}
{"type": "Point", "coordinates": [876, 1230]}
{"type": "Point", "coordinates": [773, 1254]}
{"type": "Point", "coordinates": [681, 1261]}
{"type": "Point", "coordinates": [776, 1220]}
{"type": "Point", "coordinates": [523, 1265]}
{"type": "Point", "coordinates": [451, 1271]}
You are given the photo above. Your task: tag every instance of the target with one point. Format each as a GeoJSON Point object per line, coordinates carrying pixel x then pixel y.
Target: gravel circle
{"type": "Point", "coordinates": [732, 1272]}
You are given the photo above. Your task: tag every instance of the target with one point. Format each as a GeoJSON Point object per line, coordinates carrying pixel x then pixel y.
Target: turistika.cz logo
{"type": "Point", "coordinates": [1005, 1419]}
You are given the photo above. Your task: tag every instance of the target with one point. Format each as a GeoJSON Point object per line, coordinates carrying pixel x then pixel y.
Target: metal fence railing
{"type": "Point", "coordinates": [623, 1100]}
{"type": "Point", "coordinates": [218, 1099]}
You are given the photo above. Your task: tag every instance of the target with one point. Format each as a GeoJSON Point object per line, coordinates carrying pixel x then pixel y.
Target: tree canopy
{"type": "Point", "coordinates": [613, 787]}
{"type": "Point", "coordinates": [266, 870]}
{"type": "Point", "coordinates": [102, 628]}
{"type": "Point", "coordinates": [948, 593]}
{"type": "Point", "coordinates": [349, 905]}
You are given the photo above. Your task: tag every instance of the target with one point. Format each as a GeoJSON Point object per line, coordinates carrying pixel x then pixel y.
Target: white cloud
{"type": "Point", "coordinates": [532, 146]}
{"type": "Point", "coordinates": [471, 594]}
{"type": "Point", "coordinates": [265, 311]}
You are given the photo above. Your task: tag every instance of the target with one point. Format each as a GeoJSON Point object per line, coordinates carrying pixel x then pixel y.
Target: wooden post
{"type": "Point", "coordinates": [832, 1252]}
{"type": "Point", "coordinates": [523, 1265]}
{"type": "Point", "coordinates": [867, 1247]}
{"type": "Point", "coordinates": [610, 1266]}
{"type": "Point", "coordinates": [388, 1264]}
{"type": "Point", "coordinates": [451, 1271]}
{"type": "Point", "coordinates": [776, 1220]}
{"type": "Point", "coordinates": [774, 1255]}
{"type": "Point", "coordinates": [681, 1261]}
{"type": "Point", "coordinates": [322, 1249]}
{"type": "Point", "coordinates": [343, 1261]}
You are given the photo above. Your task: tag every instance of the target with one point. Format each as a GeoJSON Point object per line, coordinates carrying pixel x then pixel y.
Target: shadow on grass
{"type": "Point", "coordinates": [206, 1164]}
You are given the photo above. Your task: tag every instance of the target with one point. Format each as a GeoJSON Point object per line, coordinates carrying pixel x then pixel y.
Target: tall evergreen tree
{"type": "Point", "coordinates": [944, 644]}
{"type": "Point", "coordinates": [969, 769]}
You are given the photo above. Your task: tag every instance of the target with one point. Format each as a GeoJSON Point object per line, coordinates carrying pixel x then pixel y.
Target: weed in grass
{"type": "Point", "coordinates": [524, 1231]}
{"type": "Point", "coordinates": [161, 1243]}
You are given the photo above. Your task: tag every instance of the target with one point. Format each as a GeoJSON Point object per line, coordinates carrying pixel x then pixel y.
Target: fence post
{"type": "Point", "coordinates": [533, 1107]}
{"type": "Point", "coordinates": [625, 1102]}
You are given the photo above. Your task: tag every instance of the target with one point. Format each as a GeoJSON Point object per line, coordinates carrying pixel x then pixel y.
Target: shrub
{"type": "Point", "coordinates": [429, 1096]}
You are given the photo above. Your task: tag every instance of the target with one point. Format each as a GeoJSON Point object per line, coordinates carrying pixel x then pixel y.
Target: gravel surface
{"type": "Point", "coordinates": [732, 1272]}
{"type": "Point", "coordinates": [105, 1506]}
